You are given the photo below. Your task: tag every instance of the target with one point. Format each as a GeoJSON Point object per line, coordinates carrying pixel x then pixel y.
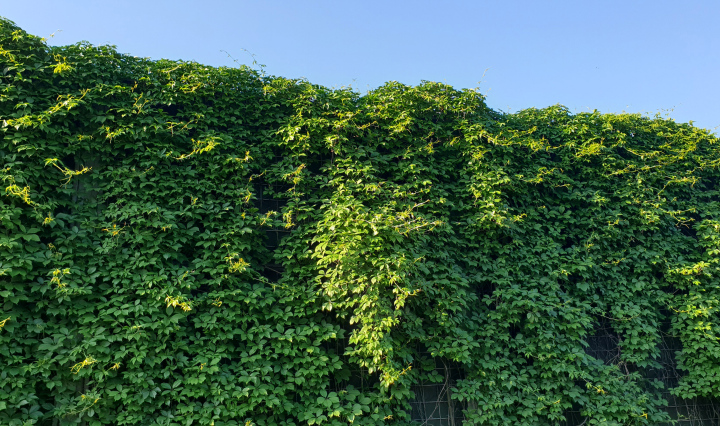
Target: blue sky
{"type": "Point", "coordinates": [635, 56]}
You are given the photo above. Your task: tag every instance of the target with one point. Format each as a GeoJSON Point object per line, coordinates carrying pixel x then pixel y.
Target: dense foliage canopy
{"type": "Point", "coordinates": [138, 285]}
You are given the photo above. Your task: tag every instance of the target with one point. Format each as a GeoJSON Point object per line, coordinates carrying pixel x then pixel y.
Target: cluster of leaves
{"type": "Point", "coordinates": [135, 276]}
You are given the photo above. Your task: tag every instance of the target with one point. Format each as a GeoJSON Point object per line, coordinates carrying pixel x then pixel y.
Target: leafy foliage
{"type": "Point", "coordinates": [134, 265]}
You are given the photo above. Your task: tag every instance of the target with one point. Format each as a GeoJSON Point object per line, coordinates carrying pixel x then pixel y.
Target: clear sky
{"type": "Point", "coordinates": [647, 56]}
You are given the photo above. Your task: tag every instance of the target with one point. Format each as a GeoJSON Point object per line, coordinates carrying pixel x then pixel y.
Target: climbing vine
{"type": "Point", "coordinates": [138, 283]}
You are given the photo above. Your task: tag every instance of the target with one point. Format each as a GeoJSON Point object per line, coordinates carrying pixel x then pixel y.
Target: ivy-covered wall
{"type": "Point", "coordinates": [139, 286]}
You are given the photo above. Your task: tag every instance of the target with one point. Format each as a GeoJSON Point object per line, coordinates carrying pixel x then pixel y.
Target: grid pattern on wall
{"type": "Point", "coordinates": [433, 404]}
{"type": "Point", "coordinates": [266, 202]}
{"type": "Point", "coordinates": [605, 345]}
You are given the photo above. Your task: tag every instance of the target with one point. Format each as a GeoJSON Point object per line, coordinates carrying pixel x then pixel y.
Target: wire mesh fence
{"type": "Point", "coordinates": [433, 404]}
{"type": "Point", "coordinates": [606, 345]}
{"type": "Point", "coordinates": [267, 202]}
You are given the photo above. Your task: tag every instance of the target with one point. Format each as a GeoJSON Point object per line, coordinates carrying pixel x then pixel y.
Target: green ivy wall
{"type": "Point", "coordinates": [138, 285]}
